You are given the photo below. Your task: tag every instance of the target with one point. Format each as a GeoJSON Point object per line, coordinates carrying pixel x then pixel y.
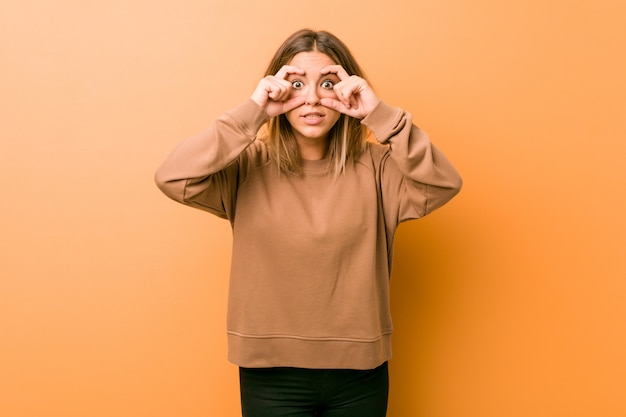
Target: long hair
{"type": "Point", "coordinates": [347, 137]}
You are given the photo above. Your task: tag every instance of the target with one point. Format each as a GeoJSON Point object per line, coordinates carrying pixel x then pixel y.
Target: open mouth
{"type": "Point", "coordinates": [313, 118]}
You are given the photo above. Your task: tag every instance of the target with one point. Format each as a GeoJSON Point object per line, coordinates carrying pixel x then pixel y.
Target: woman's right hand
{"type": "Point", "coordinates": [273, 92]}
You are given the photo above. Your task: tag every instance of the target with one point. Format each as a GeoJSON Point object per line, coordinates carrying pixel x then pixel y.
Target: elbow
{"type": "Point", "coordinates": [447, 192]}
{"type": "Point", "coordinates": [168, 187]}
{"type": "Point", "coordinates": [457, 185]}
{"type": "Point", "coordinates": [160, 180]}
{"type": "Point", "coordinates": [454, 188]}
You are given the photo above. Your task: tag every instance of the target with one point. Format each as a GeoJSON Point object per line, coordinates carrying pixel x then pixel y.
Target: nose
{"type": "Point", "coordinates": [312, 98]}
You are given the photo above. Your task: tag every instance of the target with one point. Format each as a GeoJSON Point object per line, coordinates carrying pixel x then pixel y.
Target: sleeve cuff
{"type": "Point", "coordinates": [383, 121]}
{"type": "Point", "coordinates": [249, 116]}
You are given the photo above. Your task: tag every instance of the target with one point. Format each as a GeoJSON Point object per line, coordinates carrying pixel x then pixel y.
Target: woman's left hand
{"type": "Point", "coordinates": [354, 95]}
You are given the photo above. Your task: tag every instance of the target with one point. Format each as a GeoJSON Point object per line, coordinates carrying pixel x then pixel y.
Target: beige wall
{"type": "Point", "coordinates": [507, 302]}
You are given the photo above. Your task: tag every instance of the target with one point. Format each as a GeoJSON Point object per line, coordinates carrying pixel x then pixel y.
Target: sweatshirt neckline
{"type": "Point", "coordinates": [314, 165]}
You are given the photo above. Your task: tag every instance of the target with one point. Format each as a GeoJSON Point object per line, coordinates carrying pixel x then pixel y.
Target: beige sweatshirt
{"type": "Point", "coordinates": [311, 260]}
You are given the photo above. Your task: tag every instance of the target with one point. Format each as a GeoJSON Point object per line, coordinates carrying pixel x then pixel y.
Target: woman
{"type": "Point", "coordinates": [314, 207]}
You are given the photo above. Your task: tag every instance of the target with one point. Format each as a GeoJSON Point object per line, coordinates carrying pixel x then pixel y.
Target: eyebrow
{"type": "Point", "coordinates": [331, 75]}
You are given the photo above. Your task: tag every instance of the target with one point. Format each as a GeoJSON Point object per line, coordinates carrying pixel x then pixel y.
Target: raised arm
{"type": "Point", "coordinates": [190, 171]}
{"type": "Point", "coordinates": [416, 177]}
{"type": "Point", "coordinates": [202, 170]}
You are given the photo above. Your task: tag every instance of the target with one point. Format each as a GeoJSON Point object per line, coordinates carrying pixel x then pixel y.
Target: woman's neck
{"type": "Point", "coordinates": [312, 149]}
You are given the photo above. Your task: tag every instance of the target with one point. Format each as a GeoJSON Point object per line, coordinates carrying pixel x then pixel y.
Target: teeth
{"type": "Point", "coordinates": [313, 116]}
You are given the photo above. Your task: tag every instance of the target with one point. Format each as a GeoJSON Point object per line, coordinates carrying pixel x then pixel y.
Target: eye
{"type": "Point", "coordinates": [328, 85]}
{"type": "Point", "coordinates": [297, 85]}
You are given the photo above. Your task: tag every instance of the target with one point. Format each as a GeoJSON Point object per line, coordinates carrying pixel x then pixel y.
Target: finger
{"type": "Point", "coordinates": [293, 103]}
{"type": "Point", "coordinates": [336, 69]}
{"type": "Point", "coordinates": [351, 89]}
{"type": "Point", "coordinates": [354, 103]}
{"type": "Point", "coordinates": [341, 108]}
{"type": "Point", "coordinates": [346, 98]}
{"type": "Point", "coordinates": [278, 90]}
{"type": "Point", "coordinates": [276, 108]}
{"type": "Point", "coordinates": [334, 105]}
{"type": "Point", "coordinates": [288, 69]}
{"type": "Point", "coordinates": [345, 94]}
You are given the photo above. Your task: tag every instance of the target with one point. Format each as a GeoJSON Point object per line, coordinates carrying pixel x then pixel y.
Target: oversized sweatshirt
{"type": "Point", "coordinates": [312, 253]}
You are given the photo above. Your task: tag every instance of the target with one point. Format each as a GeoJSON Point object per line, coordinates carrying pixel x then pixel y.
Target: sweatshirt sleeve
{"type": "Point", "coordinates": [416, 177]}
{"type": "Point", "coordinates": [202, 171]}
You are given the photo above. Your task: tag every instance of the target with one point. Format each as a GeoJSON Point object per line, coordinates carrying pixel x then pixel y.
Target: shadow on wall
{"type": "Point", "coordinates": [427, 287]}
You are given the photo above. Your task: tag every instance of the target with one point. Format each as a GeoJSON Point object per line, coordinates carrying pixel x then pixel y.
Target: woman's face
{"type": "Point", "coordinates": [312, 121]}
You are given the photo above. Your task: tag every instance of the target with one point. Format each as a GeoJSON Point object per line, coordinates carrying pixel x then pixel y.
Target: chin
{"type": "Point", "coordinates": [314, 134]}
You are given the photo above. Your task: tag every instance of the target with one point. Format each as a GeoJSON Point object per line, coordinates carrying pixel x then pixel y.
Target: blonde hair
{"type": "Point", "coordinates": [346, 138]}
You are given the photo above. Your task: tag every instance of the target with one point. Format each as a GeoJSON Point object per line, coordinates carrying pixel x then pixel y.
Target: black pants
{"type": "Point", "coordinates": [297, 392]}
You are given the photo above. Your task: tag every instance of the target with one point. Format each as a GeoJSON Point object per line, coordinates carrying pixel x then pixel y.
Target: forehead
{"type": "Point", "coordinates": [312, 61]}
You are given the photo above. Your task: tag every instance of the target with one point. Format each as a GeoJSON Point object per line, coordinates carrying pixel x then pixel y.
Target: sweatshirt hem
{"type": "Point", "coordinates": [313, 339]}
{"type": "Point", "coordinates": [273, 351]}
